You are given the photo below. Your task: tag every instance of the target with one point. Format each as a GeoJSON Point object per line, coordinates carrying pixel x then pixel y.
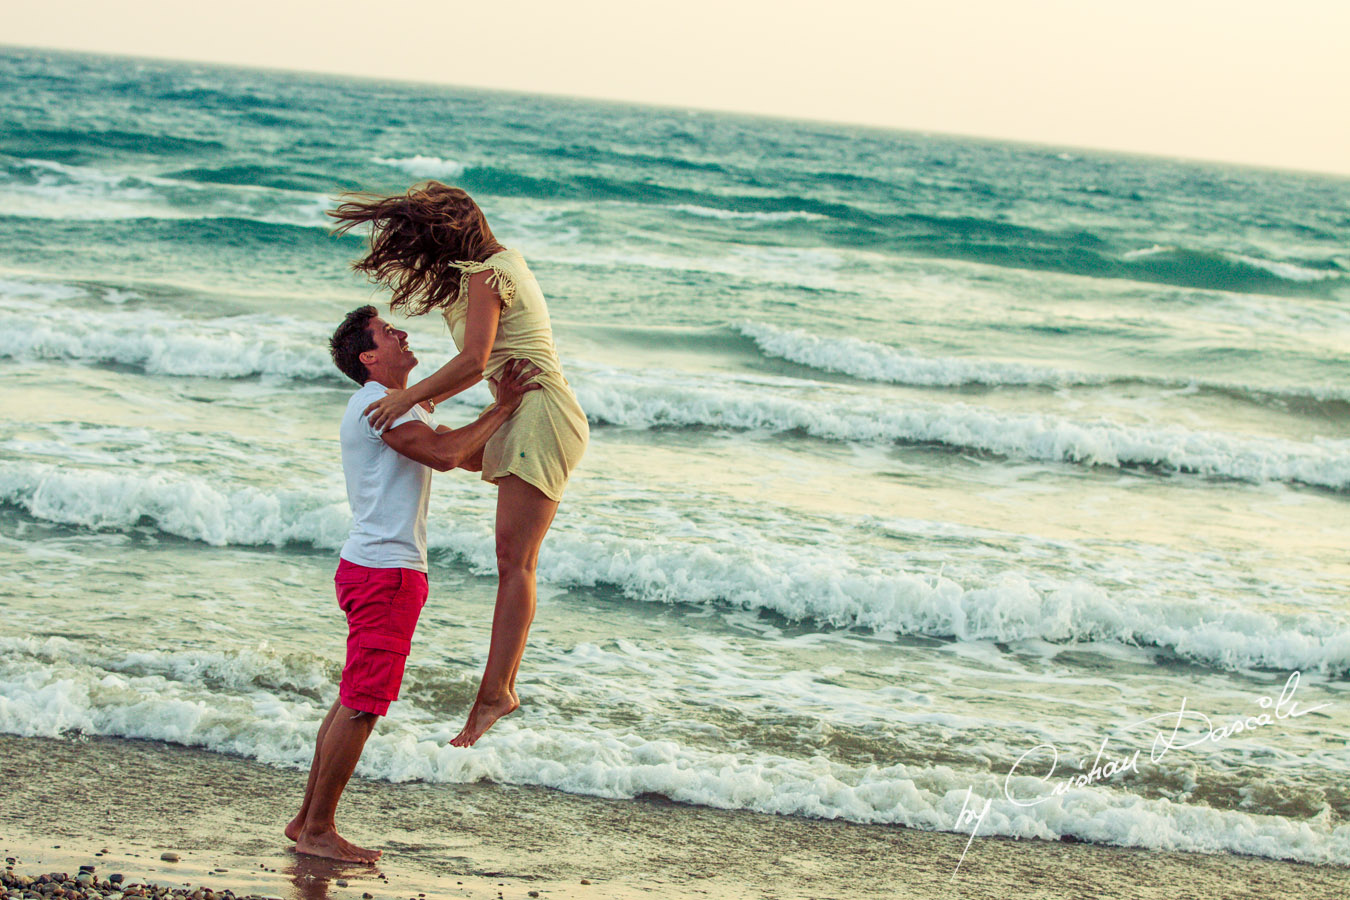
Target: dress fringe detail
{"type": "Point", "coordinates": [501, 280]}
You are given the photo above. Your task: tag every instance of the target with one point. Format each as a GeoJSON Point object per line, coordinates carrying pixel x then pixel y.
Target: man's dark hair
{"type": "Point", "coordinates": [351, 339]}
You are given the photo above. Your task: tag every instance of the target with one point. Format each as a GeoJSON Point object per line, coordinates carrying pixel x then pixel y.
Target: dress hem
{"type": "Point", "coordinates": [502, 473]}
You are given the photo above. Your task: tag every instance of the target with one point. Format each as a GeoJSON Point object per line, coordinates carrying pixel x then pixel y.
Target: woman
{"type": "Point", "coordinates": [432, 247]}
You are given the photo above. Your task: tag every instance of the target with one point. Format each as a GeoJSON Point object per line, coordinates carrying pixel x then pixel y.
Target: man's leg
{"type": "Point", "coordinates": [382, 606]}
{"type": "Point", "coordinates": [336, 757]}
{"type": "Point", "coordinates": [297, 824]}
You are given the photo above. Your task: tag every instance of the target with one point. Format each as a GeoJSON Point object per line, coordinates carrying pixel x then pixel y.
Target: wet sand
{"type": "Point", "coordinates": [63, 801]}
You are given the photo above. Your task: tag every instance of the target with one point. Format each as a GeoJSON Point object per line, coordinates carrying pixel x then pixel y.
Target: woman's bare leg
{"type": "Point", "coordinates": [534, 559]}
{"type": "Point", "coordinates": [524, 514]}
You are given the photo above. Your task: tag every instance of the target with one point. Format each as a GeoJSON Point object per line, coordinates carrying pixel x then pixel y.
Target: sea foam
{"type": "Point", "coordinates": [52, 688]}
{"type": "Point", "coordinates": [878, 362]}
{"type": "Point", "coordinates": [195, 508]}
{"type": "Point", "coordinates": [1286, 271]}
{"type": "Point", "coordinates": [708, 212]}
{"type": "Point", "coordinates": [871, 361]}
{"type": "Point", "coordinates": [653, 400]}
{"type": "Point", "coordinates": [728, 565]}
{"type": "Point", "coordinates": [423, 166]}
{"type": "Point", "coordinates": [241, 346]}
{"type": "Point", "coordinates": [222, 347]}
{"type": "Point", "coordinates": [45, 189]}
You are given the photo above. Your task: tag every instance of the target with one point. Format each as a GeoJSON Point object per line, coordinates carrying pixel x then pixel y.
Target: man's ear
{"type": "Point", "coordinates": [367, 357]}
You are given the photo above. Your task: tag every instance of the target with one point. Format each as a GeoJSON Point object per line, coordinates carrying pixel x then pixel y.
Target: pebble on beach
{"type": "Point", "coordinates": [86, 885]}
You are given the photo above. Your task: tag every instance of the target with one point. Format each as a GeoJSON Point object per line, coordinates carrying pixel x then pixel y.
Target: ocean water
{"type": "Point", "coordinates": [925, 473]}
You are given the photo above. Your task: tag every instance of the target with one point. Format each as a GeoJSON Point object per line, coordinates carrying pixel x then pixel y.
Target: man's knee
{"type": "Point", "coordinates": [358, 715]}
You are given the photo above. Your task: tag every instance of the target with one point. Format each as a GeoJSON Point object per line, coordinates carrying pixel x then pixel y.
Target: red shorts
{"type": "Point", "coordinates": [382, 606]}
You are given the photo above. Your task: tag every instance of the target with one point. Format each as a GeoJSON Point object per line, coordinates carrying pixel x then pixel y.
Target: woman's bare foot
{"type": "Point", "coordinates": [334, 846]}
{"type": "Point", "coordinates": [481, 717]}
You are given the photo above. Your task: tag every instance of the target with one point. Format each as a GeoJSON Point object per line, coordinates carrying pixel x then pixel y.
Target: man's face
{"type": "Point", "coordinates": [391, 347]}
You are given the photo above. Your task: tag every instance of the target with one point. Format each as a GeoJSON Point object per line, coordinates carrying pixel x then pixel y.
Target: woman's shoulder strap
{"type": "Point", "coordinates": [505, 274]}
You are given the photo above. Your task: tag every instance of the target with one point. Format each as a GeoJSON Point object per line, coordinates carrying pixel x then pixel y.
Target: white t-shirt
{"type": "Point", "coordinates": [386, 490]}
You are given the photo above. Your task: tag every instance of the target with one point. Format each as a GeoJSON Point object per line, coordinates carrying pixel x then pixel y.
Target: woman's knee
{"type": "Point", "coordinates": [513, 559]}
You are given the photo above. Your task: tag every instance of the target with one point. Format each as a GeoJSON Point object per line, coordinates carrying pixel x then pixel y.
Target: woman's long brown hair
{"type": "Point", "coordinates": [415, 240]}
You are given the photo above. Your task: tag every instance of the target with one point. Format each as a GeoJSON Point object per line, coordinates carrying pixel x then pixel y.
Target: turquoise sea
{"type": "Point", "coordinates": [923, 469]}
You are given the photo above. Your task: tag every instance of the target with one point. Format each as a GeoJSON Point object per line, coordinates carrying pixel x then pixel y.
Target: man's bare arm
{"type": "Point", "coordinates": [475, 461]}
{"type": "Point", "coordinates": [444, 449]}
{"type": "Point", "coordinates": [447, 449]}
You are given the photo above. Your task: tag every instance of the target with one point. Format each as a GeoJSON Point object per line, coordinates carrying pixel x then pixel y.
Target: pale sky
{"type": "Point", "coordinates": [1249, 81]}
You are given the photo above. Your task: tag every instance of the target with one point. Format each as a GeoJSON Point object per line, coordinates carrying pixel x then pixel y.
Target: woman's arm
{"type": "Point", "coordinates": [461, 372]}
{"type": "Point", "coordinates": [445, 448]}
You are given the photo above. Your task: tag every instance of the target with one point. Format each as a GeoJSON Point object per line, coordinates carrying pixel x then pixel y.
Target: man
{"type": "Point", "coordinates": [381, 578]}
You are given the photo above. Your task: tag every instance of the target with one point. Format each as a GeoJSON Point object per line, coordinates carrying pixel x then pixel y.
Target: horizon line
{"type": "Point", "coordinates": [647, 104]}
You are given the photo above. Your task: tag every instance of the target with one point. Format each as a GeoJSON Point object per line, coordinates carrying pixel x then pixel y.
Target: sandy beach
{"type": "Point", "coordinates": [66, 800]}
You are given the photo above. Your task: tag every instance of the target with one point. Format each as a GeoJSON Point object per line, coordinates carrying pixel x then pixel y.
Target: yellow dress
{"type": "Point", "coordinates": [546, 437]}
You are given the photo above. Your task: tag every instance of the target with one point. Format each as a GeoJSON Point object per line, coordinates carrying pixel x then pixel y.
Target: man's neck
{"type": "Point", "coordinates": [392, 382]}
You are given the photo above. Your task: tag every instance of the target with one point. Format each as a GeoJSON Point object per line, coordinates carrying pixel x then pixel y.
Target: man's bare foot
{"type": "Point", "coordinates": [334, 846]}
{"type": "Point", "coordinates": [481, 717]}
{"type": "Point", "coordinates": [293, 828]}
